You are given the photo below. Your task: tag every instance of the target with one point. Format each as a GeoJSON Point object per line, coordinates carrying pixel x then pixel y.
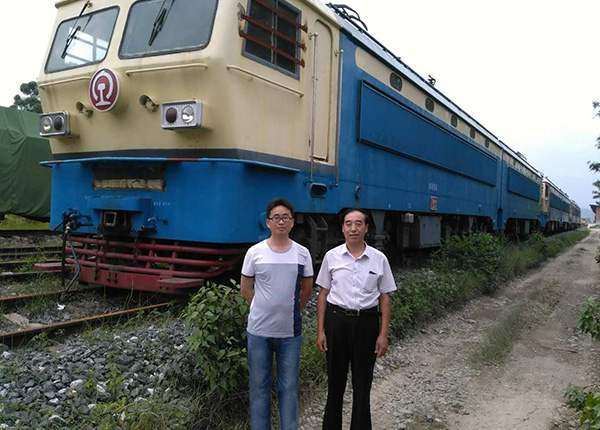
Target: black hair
{"type": "Point", "coordinates": [362, 211]}
{"type": "Point", "coordinates": [279, 202]}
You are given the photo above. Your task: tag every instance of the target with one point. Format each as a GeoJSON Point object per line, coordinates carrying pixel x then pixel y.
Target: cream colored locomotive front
{"type": "Point", "coordinates": [246, 104]}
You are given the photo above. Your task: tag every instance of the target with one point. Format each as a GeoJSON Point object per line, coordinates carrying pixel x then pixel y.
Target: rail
{"type": "Point", "coordinates": [16, 337]}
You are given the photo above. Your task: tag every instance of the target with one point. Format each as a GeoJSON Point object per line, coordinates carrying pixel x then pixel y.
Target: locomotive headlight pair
{"type": "Point", "coordinates": [186, 114]}
{"type": "Point", "coordinates": [55, 124]}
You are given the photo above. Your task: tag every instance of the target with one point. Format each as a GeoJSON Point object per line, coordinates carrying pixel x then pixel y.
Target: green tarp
{"type": "Point", "coordinates": [24, 184]}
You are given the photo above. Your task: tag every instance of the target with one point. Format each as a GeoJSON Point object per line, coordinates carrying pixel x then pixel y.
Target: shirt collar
{"type": "Point", "coordinates": [366, 253]}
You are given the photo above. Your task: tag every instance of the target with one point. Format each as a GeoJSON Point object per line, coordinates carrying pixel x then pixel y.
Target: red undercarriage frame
{"type": "Point", "coordinates": [149, 265]}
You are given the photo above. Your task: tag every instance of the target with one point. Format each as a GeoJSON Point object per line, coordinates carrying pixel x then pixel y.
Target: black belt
{"type": "Point", "coordinates": [353, 312]}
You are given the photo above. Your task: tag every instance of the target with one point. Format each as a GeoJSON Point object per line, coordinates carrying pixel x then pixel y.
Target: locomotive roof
{"type": "Point", "coordinates": [556, 188]}
{"type": "Point", "coordinates": [372, 44]}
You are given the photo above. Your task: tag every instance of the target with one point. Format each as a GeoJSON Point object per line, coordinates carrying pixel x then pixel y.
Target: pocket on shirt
{"type": "Point", "coordinates": [371, 283]}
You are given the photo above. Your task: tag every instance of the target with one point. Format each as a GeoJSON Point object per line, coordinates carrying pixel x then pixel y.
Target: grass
{"type": "Point", "coordinates": [42, 283]}
{"type": "Point", "coordinates": [15, 222]}
{"type": "Point", "coordinates": [499, 341]}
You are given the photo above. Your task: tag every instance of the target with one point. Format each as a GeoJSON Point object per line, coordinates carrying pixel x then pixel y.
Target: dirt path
{"type": "Point", "coordinates": [523, 392]}
{"type": "Point", "coordinates": [436, 380]}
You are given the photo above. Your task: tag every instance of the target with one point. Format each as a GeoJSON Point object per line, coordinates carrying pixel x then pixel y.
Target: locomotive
{"type": "Point", "coordinates": [173, 123]}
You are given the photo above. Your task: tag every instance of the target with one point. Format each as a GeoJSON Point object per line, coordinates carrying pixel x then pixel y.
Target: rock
{"type": "Point", "coordinates": [126, 360]}
{"type": "Point", "coordinates": [17, 319]}
{"type": "Point", "coordinates": [56, 418]}
{"type": "Point", "coordinates": [76, 383]}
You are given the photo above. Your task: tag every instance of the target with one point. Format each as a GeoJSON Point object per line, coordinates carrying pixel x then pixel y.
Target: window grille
{"type": "Point", "coordinates": [473, 133]}
{"type": "Point", "coordinates": [273, 34]}
{"type": "Point", "coordinates": [454, 121]}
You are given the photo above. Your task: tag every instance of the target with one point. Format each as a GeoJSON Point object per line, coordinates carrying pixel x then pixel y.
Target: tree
{"type": "Point", "coordinates": [596, 192]}
{"type": "Point", "coordinates": [31, 101]}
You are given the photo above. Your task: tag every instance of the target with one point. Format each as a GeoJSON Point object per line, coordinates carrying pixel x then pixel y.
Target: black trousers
{"type": "Point", "coordinates": [350, 344]}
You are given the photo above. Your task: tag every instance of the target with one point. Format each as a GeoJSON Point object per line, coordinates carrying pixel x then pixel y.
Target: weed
{"type": "Point", "coordinates": [587, 403]}
{"type": "Point", "coordinates": [218, 337]}
{"type": "Point", "coordinates": [89, 385]}
{"type": "Point", "coordinates": [589, 320]}
{"type": "Point", "coordinates": [114, 385]}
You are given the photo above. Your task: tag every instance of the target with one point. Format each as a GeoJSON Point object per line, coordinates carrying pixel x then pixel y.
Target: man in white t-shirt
{"type": "Point", "coordinates": [277, 279]}
{"type": "Point", "coordinates": [353, 313]}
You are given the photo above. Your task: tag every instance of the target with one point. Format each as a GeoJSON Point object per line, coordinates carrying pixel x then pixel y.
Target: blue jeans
{"type": "Point", "coordinates": [260, 363]}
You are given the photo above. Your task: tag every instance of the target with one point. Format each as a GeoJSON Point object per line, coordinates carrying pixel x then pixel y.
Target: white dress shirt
{"type": "Point", "coordinates": [355, 283]}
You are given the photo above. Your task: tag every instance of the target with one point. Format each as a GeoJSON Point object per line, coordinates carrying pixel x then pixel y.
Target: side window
{"type": "Point", "coordinates": [396, 81]}
{"type": "Point", "coordinates": [273, 34]}
{"type": "Point", "coordinates": [454, 121]}
{"type": "Point", "coordinates": [429, 104]}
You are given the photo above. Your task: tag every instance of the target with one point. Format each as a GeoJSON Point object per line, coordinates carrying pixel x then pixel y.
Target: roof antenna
{"type": "Point", "coordinates": [431, 80]}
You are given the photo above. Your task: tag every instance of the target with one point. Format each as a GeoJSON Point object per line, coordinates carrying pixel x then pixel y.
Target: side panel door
{"type": "Point", "coordinates": [324, 108]}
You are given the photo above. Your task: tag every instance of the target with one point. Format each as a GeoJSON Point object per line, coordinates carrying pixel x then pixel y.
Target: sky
{"type": "Point", "coordinates": [527, 70]}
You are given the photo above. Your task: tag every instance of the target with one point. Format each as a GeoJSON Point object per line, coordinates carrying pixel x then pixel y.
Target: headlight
{"type": "Point", "coordinates": [187, 114]}
{"type": "Point", "coordinates": [55, 124]}
{"type": "Point", "coordinates": [171, 115]}
{"type": "Point", "coordinates": [45, 125]}
{"type": "Point", "coordinates": [177, 115]}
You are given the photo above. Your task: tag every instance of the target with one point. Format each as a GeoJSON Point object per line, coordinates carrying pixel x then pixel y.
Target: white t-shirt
{"type": "Point", "coordinates": [355, 283]}
{"type": "Point", "coordinates": [275, 308]}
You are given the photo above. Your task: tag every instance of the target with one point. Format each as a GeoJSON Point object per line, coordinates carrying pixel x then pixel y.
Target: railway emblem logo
{"type": "Point", "coordinates": [104, 90]}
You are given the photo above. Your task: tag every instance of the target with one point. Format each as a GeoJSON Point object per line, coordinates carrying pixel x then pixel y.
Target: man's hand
{"type": "Point", "coordinates": [321, 308]}
{"type": "Point", "coordinates": [322, 341]}
{"type": "Point", "coordinates": [381, 346]}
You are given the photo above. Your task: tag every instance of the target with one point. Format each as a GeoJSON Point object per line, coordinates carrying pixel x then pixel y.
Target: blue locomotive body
{"type": "Point", "coordinates": [422, 166]}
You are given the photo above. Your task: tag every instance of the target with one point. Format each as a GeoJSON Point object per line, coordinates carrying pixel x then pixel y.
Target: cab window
{"type": "Point", "coordinates": [272, 35]}
{"type": "Point", "coordinates": [82, 40]}
{"type": "Point", "coordinates": [156, 27]}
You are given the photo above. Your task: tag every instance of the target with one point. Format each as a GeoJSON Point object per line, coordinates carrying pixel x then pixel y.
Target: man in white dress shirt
{"type": "Point", "coordinates": [353, 311]}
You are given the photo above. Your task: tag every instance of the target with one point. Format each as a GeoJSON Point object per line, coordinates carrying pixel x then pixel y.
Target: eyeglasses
{"type": "Point", "coordinates": [278, 218]}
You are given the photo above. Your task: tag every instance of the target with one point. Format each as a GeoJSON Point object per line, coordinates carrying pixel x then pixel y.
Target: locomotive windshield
{"type": "Point", "coordinates": [157, 27]}
{"type": "Point", "coordinates": [82, 40]}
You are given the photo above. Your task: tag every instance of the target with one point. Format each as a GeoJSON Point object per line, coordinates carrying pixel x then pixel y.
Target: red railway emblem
{"type": "Point", "coordinates": [104, 90]}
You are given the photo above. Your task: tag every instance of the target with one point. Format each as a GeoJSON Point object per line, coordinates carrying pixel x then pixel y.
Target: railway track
{"type": "Point", "coordinates": [17, 262]}
{"type": "Point", "coordinates": [25, 276]}
{"type": "Point", "coordinates": [17, 337]}
{"type": "Point", "coordinates": [28, 233]}
{"type": "Point", "coordinates": [16, 252]}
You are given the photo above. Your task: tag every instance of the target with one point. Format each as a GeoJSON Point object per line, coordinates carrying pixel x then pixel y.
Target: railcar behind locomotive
{"type": "Point", "coordinates": [173, 123]}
